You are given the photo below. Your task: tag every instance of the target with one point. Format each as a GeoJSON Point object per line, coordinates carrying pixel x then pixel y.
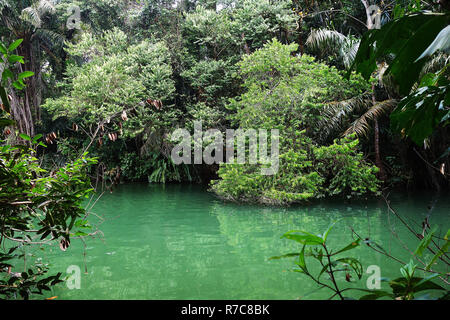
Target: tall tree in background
{"type": "Point", "coordinates": [26, 20]}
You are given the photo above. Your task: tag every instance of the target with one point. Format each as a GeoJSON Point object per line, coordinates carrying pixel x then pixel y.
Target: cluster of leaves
{"type": "Point", "coordinates": [316, 247]}
{"type": "Point", "coordinates": [36, 207]}
{"type": "Point", "coordinates": [215, 41]}
{"type": "Point", "coordinates": [288, 93]}
{"type": "Point", "coordinates": [154, 168]}
{"type": "Point", "coordinates": [406, 43]}
{"type": "Point", "coordinates": [10, 58]}
{"type": "Point", "coordinates": [109, 93]}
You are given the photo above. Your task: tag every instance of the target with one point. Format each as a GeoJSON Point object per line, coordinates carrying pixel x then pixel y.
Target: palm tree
{"type": "Point", "coordinates": [336, 114]}
{"type": "Point", "coordinates": [369, 110]}
{"type": "Point", "coordinates": [24, 20]}
{"type": "Point", "coordinates": [324, 42]}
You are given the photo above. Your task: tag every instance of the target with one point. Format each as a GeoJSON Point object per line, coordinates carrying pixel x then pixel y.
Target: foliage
{"type": "Point", "coordinates": [288, 93]}
{"type": "Point", "coordinates": [8, 60]}
{"type": "Point", "coordinates": [111, 95]}
{"type": "Point", "coordinates": [36, 207]}
{"type": "Point", "coordinates": [154, 168]}
{"type": "Point", "coordinates": [406, 46]}
{"type": "Point", "coordinates": [316, 248]}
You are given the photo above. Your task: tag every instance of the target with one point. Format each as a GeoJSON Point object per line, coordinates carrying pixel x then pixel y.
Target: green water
{"type": "Point", "coordinates": [179, 242]}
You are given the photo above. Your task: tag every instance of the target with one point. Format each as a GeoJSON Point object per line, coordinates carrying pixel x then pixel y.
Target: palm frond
{"type": "Point", "coordinates": [325, 40]}
{"type": "Point", "coordinates": [36, 11]}
{"type": "Point", "coordinates": [331, 42]}
{"type": "Point", "coordinates": [436, 63]}
{"type": "Point", "coordinates": [51, 38]}
{"type": "Point", "coordinates": [336, 114]}
{"type": "Point", "coordinates": [362, 125]}
{"type": "Point", "coordinates": [31, 15]}
{"type": "Point", "coordinates": [349, 52]}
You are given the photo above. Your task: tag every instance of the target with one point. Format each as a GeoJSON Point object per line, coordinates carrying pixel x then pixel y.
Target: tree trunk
{"type": "Point", "coordinates": [25, 104]}
{"type": "Point", "coordinates": [378, 162]}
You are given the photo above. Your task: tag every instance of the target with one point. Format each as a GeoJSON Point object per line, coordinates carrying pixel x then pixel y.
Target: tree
{"type": "Point", "coordinates": [287, 93]}
{"type": "Point", "coordinates": [26, 20]}
{"type": "Point", "coordinates": [36, 207]}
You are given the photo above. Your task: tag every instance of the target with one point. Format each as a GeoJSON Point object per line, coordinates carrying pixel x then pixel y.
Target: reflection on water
{"type": "Point", "coordinates": [179, 242]}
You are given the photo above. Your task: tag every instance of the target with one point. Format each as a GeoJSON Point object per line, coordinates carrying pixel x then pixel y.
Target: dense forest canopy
{"type": "Point", "coordinates": [115, 78]}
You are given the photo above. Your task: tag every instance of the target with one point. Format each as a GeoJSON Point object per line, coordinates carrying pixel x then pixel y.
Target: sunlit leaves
{"type": "Point", "coordinates": [14, 45]}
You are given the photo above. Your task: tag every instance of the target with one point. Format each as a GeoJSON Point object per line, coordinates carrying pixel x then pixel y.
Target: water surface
{"type": "Point", "coordinates": [180, 242]}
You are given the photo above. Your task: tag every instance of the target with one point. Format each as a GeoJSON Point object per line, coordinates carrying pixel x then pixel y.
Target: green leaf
{"type": "Point", "coordinates": [287, 255]}
{"type": "Point", "coordinates": [325, 235]}
{"type": "Point", "coordinates": [424, 243]}
{"type": "Point", "coordinates": [354, 264]}
{"type": "Point", "coordinates": [19, 85]}
{"type": "Point", "coordinates": [374, 294]}
{"type": "Point", "coordinates": [441, 43]}
{"type": "Point", "coordinates": [80, 234]}
{"type": "Point", "coordinates": [408, 270]}
{"type": "Point", "coordinates": [305, 238]}
{"type": "Point", "coordinates": [25, 74]}
{"type": "Point", "coordinates": [25, 137]}
{"type": "Point", "coordinates": [7, 74]}
{"type": "Point", "coordinates": [14, 58]}
{"type": "Point", "coordinates": [427, 284]}
{"type": "Point", "coordinates": [301, 260]}
{"type": "Point", "coordinates": [428, 80]}
{"type": "Point", "coordinates": [37, 137]}
{"type": "Point", "coordinates": [325, 268]}
{"type": "Point", "coordinates": [6, 122]}
{"type": "Point", "coordinates": [3, 49]}
{"type": "Point", "coordinates": [440, 252]}
{"type": "Point", "coordinates": [5, 100]}
{"type": "Point", "coordinates": [420, 113]}
{"type": "Point", "coordinates": [15, 44]}
{"type": "Point", "coordinates": [351, 246]}
{"type": "Point", "coordinates": [406, 39]}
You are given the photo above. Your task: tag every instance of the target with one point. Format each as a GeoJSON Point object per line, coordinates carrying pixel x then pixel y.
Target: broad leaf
{"type": "Point", "coordinates": [441, 43]}
{"type": "Point", "coordinates": [25, 74]}
{"type": "Point", "coordinates": [15, 44]}
{"type": "Point", "coordinates": [403, 41]}
{"type": "Point", "coordinates": [424, 243]}
{"type": "Point", "coordinates": [305, 238]}
{"type": "Point", "coordinates": [419, 114]}
{"type": "Point", "coordinates": [351, 246]}
{"type": "Point", "coordinates": [325, 234]}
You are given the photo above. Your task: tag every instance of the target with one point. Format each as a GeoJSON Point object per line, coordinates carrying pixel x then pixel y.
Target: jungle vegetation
{"type": "Point", "coordinates": [94, 103]}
